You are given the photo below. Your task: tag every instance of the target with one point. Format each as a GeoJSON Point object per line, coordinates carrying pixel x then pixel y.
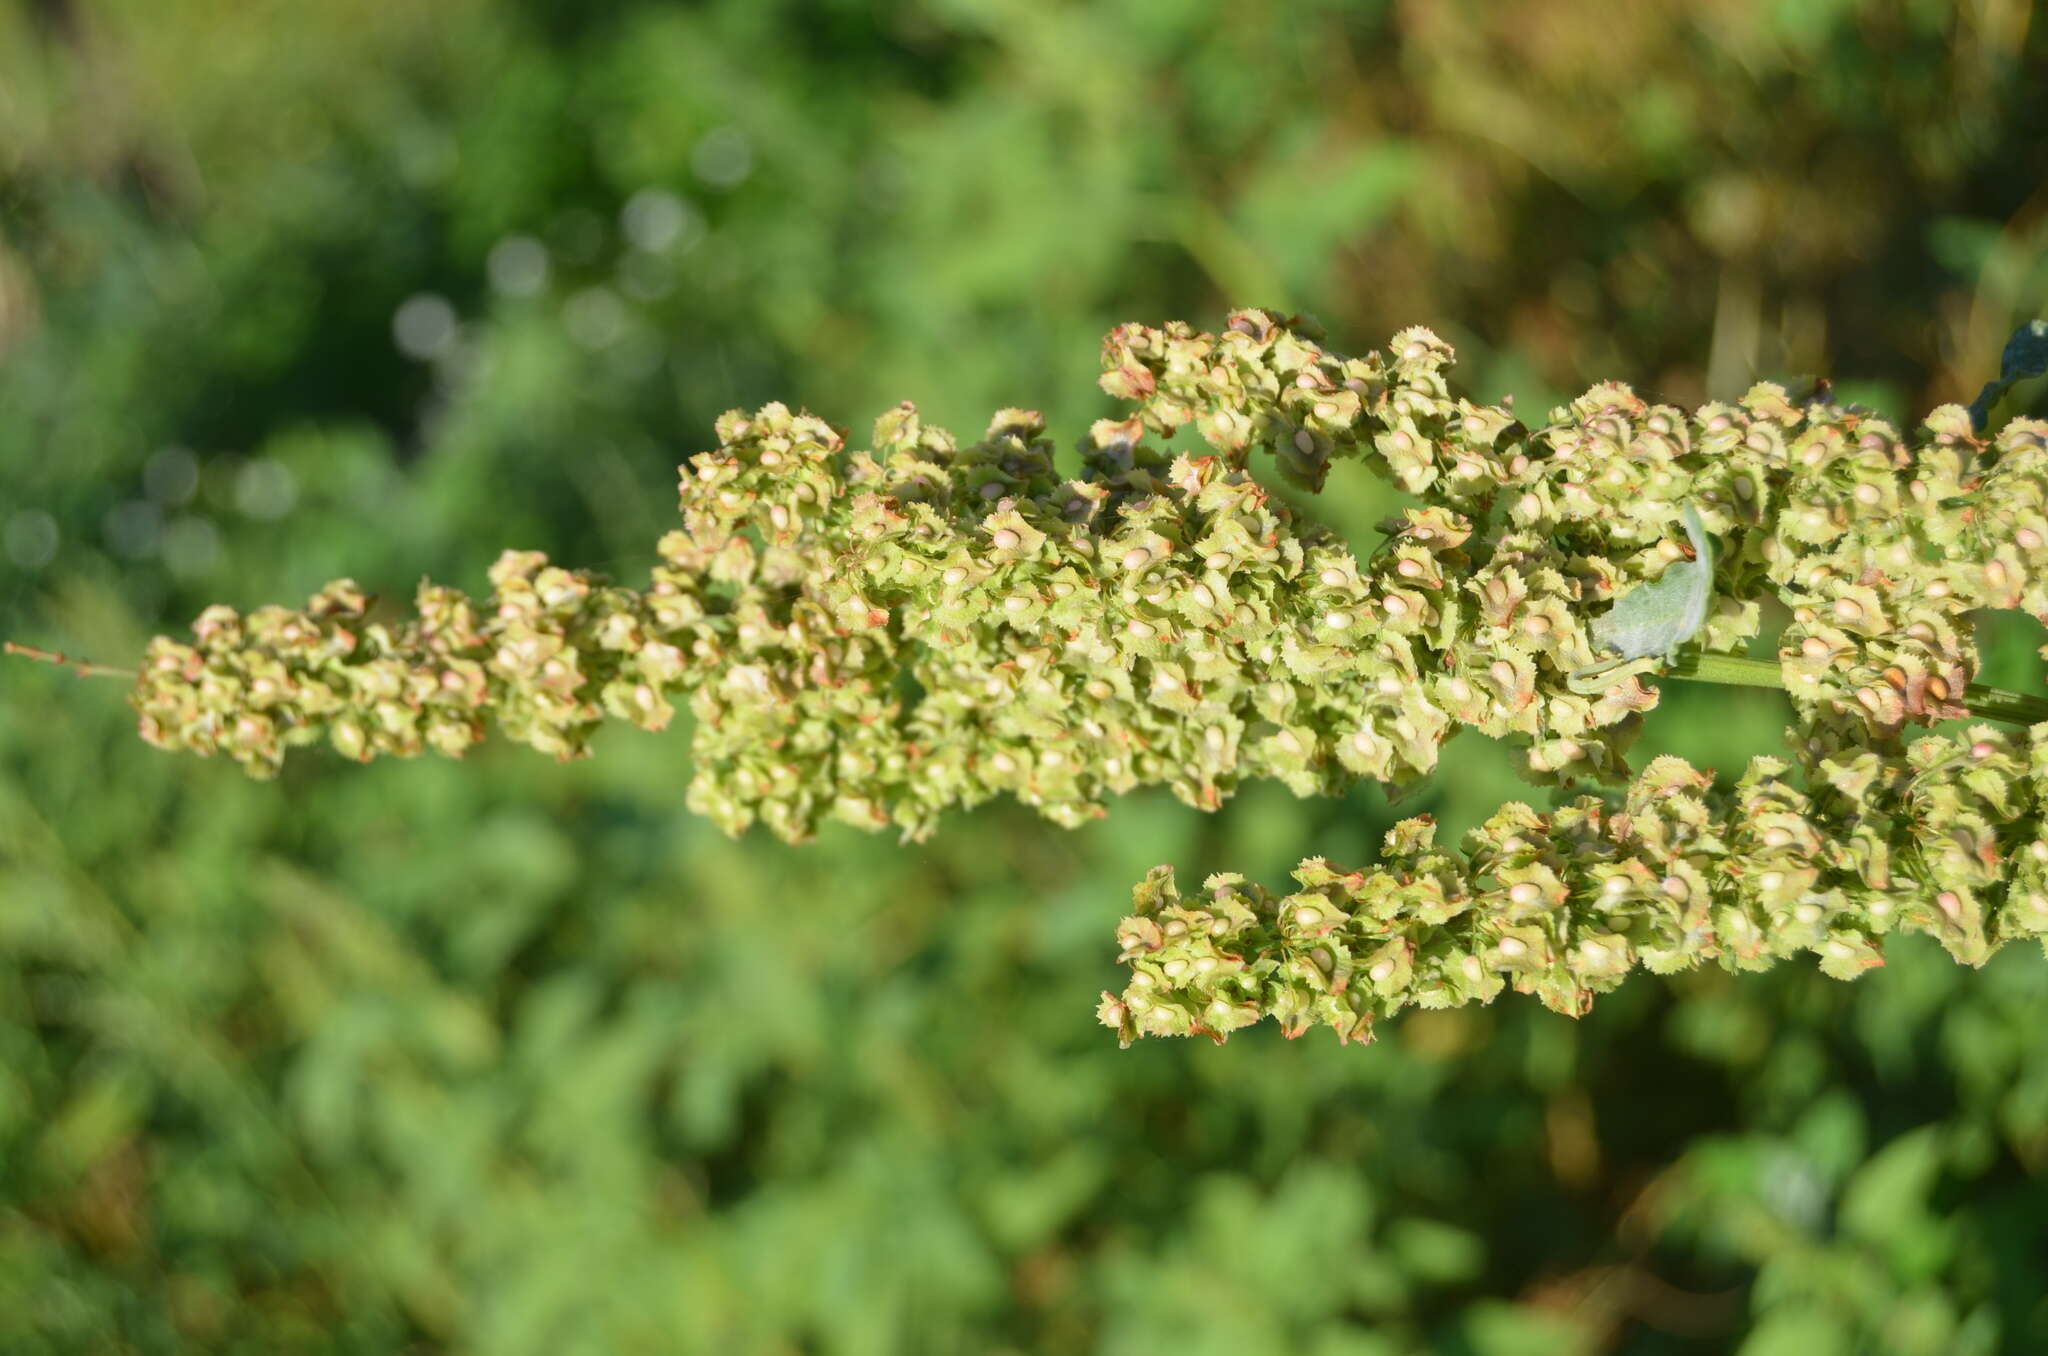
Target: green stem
{"type": "Point", "coordinates": [1731, 669]}
{"type": "Point", "coordinates": [1985, 703]}
{"type": "Point", "coordinates": [84, 668]}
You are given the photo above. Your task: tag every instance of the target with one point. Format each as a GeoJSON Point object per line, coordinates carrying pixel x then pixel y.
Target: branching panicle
{"type": "Point", "coordinates": [880, 636]}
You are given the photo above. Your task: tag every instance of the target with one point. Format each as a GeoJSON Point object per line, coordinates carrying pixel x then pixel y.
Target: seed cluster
{"type": "Point", "coordinates": [879, 636]}
{"type": "Point", "coordinates": [1944, 841]}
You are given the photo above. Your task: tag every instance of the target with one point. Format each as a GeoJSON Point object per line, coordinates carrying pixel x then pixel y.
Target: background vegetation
{"type": "Point", "coordinates": [510, 1057]}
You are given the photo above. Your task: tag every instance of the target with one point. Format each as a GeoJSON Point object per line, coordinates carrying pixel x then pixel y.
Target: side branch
{"type": "Point", "coordinates": [1564, 905]}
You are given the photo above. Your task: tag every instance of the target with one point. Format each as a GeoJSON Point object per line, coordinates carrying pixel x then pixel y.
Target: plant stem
{"type": "Point", "coordinates": [84, 668]}
{"type": "Point", "coordinates": [1731, 669]}
{"type": "Point", "coordinates": [2014, 708]}
{"type": "Point", "coordinates": [1985, 703]}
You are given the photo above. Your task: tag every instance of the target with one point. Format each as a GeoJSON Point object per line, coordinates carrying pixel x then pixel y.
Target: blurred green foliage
{"type": "Point", "coordinates": [512, 1057]}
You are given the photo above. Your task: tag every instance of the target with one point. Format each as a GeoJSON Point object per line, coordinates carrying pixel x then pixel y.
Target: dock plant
{"type": "Point", "coordinates": [888, 634]}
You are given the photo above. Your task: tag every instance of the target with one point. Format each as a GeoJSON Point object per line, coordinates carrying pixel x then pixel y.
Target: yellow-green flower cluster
{"type": "Point", "coordinates": [1564, 905]}
{"type": "Point", "coordinates": [882, 635]}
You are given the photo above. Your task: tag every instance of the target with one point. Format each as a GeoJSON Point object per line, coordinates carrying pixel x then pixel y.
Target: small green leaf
{"type": "Point", "coordinates": [1655, 618]}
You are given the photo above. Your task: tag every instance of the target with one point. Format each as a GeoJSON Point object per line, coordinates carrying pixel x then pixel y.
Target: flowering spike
{"type": "Point", "coordinates": [879, 636]}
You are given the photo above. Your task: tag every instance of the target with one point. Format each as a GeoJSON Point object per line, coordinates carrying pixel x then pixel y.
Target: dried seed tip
{"type": "Point", "coordinates": [2028, 539]}
{"type": "Point", "coordinates": [955, 575]}
{"type": "Point", "coordinates": [1137, 558]}
{"type": "Point", "coordinates": [1006, 540]}
{"type": "Point", "coordinates": [1536, 626]}
{"type": "Point", "coordinates": [1304, 442]}
{"type": "Point", "coordinates": [1395, 605]}
{"type": "Point", "coordinates": [1995, 574]}
{"type": "Point", "coordinates": [1332, 576]}
{"type": "Point", "coordinates": [1848, 610]}
{"type": "Point", "coordinates": [1337, 621]}
{"type": "Point", "coordinates": [1951, 905]}
{"type": "Point", "coordinates": [1529, 506]}
{"type": "Point", "coordinates": [1813, 647]}
{"type": "Point", "coordinates": [1408, 569]}
{"type": "Point", "coordinates": [1380, 970]}
{"type": "Point", "coordinates": [1868, 494]}
{"type": "Point", "coordinates": [1895, 678]}
{"type": "Point", "coordinates": [1525, 892]}
{"type": "Point", "coordinates": [1982, 750]}
{"type": "Point", "coordinates": [1807, 913]}
{"type": "Point", "coordinates": [1937, 687]}
{"type": "Point", "coordinates": [1676, 888]}
{"type": "Point", "coordinates": [1202, 596]}
{"type": "Point", "coordinates": [1307, 917]}
{"type": "Point", "coordinates": [1512, 946]}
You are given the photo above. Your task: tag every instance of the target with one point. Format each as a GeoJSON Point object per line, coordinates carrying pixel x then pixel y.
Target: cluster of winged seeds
{"type": "Point", "coordinates": [1943, 840]}
{"type": "Point", "coordinates": [878, 636]}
